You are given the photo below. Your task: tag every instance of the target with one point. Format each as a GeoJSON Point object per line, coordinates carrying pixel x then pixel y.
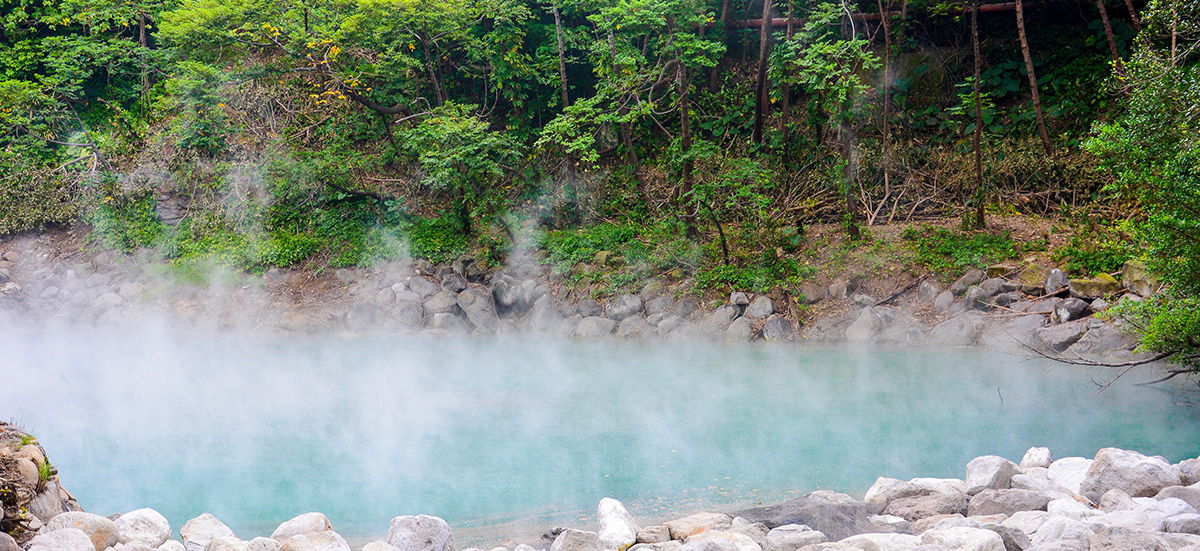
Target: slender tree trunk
{"type": "Point", "coordinates": [850, 170]}
{"type": "Point", "coordinates": [566, 98]}
{"type": "Point", "coordinates": [429, 61]}
{"type": "Point", "coordinates": [1112, 41]}
{"type": "Point", "coordinates": [143, 99]}
{"type": "Point", "coordinates": [786, 106]}
{"type": "Point", "coordinates": [887, 95]}
{"type": "Point", "coordinates": [761, 99]}
{"type": "Point", "coordinates": [685, 146]}
{"type": "Point", "coordinates": [1174, 29]}
{"type": "Point", "coordinates": [1033, 85]}
{"type": "Point", "coordinates": [1133, 16]}
{"type": "Point", "coordinates": [980, 222]}
{"type": "Point", "coordinates": [712, 73]}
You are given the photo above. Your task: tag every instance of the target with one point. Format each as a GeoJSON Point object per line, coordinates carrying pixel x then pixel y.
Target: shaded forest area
{"type": "Point", "coordinates": [694, 137]}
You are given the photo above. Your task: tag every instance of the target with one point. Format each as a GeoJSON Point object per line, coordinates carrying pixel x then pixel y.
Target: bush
{"type": "Point", "coordinates": [126, 221]}
{"type": "Point", "coordinates": [436, 239]}
{"type": "Point", "coordinates": [31, 200]}
{"type": "Point", "coordinates": [949, 252]}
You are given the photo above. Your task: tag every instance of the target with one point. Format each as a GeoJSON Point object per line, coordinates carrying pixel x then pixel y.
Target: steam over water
{"type": "Point", "coordinates": [510, 436]}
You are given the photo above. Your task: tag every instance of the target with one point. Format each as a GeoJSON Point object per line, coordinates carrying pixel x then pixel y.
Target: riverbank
{"type": "Point", "coordinates": [1117, 500]}
{"type": "Point", "coordinates": [55, 279]}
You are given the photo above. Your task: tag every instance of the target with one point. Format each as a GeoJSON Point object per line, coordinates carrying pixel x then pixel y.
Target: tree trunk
{"type": "Point", "coordinates": [1112, 41]}
{"type": "Point", "coordinates": [437, 88]}
{"type": "Point", "coordinates": [1133, 16]}
{"type": "Point", "coordinates": [627, 134]}
{"type": "Point", "coordinates": [143, 98]}
{"type": "Point", "coordinates": [760, 90]}
{"type": "Point", "coordinates": [887, 94]}
{"type": "Point", "coordinates": [849, 170]}
{"type": "Point", "coordinates": [712, 73]}
{"type": "Point", "coordinates": [685, 147]}
{"type": "Point", "coordinates": [1033, 86]}
{"type": "Point", "coordinates": [980, 222]}
{"type": "Point", "coordinates": [566, 98]}
{"type": "Point", "coordinates": [786, 106]}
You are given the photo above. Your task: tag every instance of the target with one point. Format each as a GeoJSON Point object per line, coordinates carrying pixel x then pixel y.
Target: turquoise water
{"type": "Point", "coordinates": [509, 437]}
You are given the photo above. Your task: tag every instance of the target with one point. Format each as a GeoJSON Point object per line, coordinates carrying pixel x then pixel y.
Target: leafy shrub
{"type": "Point", "coordinates": [566, 248]}
{"type": "Point", "coordinates": [949, 252]}
{"type": "Point", "coordinates": [437, 239]}
{"type": "Point", "coordinates": [32, 200]}
{"type": "Point", "coordinates": [126, 221]}
{"type": "Point", "coordinates": [1101, 251]}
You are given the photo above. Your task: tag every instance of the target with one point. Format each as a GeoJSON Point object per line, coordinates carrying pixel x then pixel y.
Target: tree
{"type": "Point", "coordinates": [1033, 83]}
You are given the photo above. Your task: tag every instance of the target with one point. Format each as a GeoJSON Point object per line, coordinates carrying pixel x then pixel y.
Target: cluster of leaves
{"type": "Point", "coordinates": [1104, 249]}
{"type": "Point", "coordinates": [125, 221]}
{"type": "Point", "coordinates": [949, 252]}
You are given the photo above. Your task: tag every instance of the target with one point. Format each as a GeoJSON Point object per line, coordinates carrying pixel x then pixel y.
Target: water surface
{"type": "Point", "coordinates": [510, 436]}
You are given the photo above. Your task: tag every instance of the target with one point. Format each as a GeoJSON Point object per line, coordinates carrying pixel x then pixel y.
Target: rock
{"type": "Point", "coordinates": [108, 300]}
{"type": "Point", "coordinates": [881, 542]}
{"type": "Point", "coordinates": [365, 316]}
{"type": "Point", "coordinates": [263, 544]}
{"type": "Point", "coordinates": [1069, 472]}
{"type": "Point", "coordinates": [1036, 457]}
{"type": "Point", "coordinates": [226, 543]}
{"type": "Point", "coordinates": [421, 286]}
{"type": "Point", "coordinates": [196, 533]}
{"type": "Point", "coordinates": [595, 326]}
{"type": "Point", "coordinates": [864, 326]}
{"type": "Point", "coordinates": [1102, 284]}
{"type": "Point", "coordinates": [634, 327]}
{"type": "Point", "coordinates": [717, 320]}
{"type": "Point", "coordinates": [576, 540]}
{"type": "Point", "coordinates": [408, 314]}
{"type": "Point", "coordinates": [654, 534]}
{"type": "Point", "coordinates": [297, 543]}
{"type": "Point", "coordinates": [623, 306]}
{"type": "Point", "coordinates": [1033, 279]}
{"type": "Point", "coordinates": [684, 307]}
{"type": "Point", "coordinates": [669, 545]}
{"type": "Point", "coordinates": [454, 283]}
{"type": "Point", "coordinates": [1056, 281]}
{"type": "Point", "coordinates": [66, 539]}
{"type": "Point", "coordinates": [1070, 309]}
{"type": "Point", "coordinates": [1006, 502]}
{"type": "Point", "coordinates": [863, 300]}
{"type": "Point", "coordinates": [791, 537]}
{"type": "Point", "coordinates": [836, 515]}
{"type": "Point", "coordinates": [1116, 500]}
{"type": "Point", "coordinates": [11, 256]}
{"type": "Point", "coordinates": [1189, 494]}
{"type": "Point", "coordinates": [477, 305]}
{"type": "Point", "coordinates": [811, 293]}
{"type": "Point", "coordinates": [778, 328]}
{"type": "Point", "coordinates": [916, 508]}
{"type": "Point", "coordinates": [1136, 278]}
{"type": "Point", "coordinates": [102, 531]}
{"type": "Point", "coordinates": [590, 308]}
{"type": "Point", "coordinates": [972, 277]}
{"type": "Point", "coordinates": [1097, 306]}
{"type": "Point", "coordinates": [172, 545]}
{"type": "Point", "coordinates": [143, 526]}
{"type": "Point", "coordinates": [1188, 523]}
{"type": "Point", "coordinates": [738, 298]}
{"type": "Point", "coordinates": [943, 301]}
{"type": "Point", "coordinates": [306, 523]}
{"type": "Point", "coordinates": [652, 290]}
{"type": "Point", "coordinates": [741, 542]}
{"type": "Point", "coordinates": [1136, 474]}
{"type": "Point", "coordinates": [420, 533]}
{"type": "Point", "coordinates": [323, 541]}
{"type": "Point", "coordinates": [944, 486]}
{"type": "Point", "coordinates": [1122, 539]}
{"type": "Point", "coordinates": [697, 523]}
{"type": "Point", "coordinates": [885, 490]}
{"type": "Point", "coordinates": [659, 305]}
{"type": "Point", "coordinates": [382, 546]}
{"type": "Point", "coordinates": [1190, 469]}
{"type": "Point", "coordinates": [928, 291]}
{"type": "Point", "coordinates": [1014, 333]}
{"type": "Point", "coordinates": [1103, 340]}
{"type": "Point", "coordinates": [740, 330]}
{"type": "Point", "coordinates": [443, 302]}
{"type": "Point", "coordinates": [1061, 528]}
{"type": "Point", "coordinates": [989, 472]}
{"type": "Point", "coordinates": [714, 544]}
{"type": "Point", "coordinates": [617, 527]}
{"type": "Point", "coordinates": [1058, 338]}
{"type": "Point", "coordinates": [761, 308]}
{"type": "Point", "coordinates": [964, 539]}
{"type": "Point", "coordinates": [7, 543]}
{"type": "Point", "coordinates": [1013, 539]}
{"type": "Point", "coordinates": [1044, 306]}
{"type": "Point", "coordinates": [960, 330]}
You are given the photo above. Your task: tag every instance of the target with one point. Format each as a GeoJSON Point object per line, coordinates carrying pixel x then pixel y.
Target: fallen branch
{"type": "Point", "coordinates": [902, 291]}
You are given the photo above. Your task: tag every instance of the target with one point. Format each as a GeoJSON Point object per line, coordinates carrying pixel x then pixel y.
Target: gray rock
{"type": "Point", "coordinates": [635, 327]}
{"type": "Point", "coordinates": [654, 534]}
{"type": "Point", "coordinates": [1122, 539]}
{"type": "Point", "coordinates": [98, 280]}
{"type": "Point", "coordinates": [1006, 299]}
{"type": "Point", "coordinates": [623, 306]}
{"type": "Point", "coordinates": [1189, 494]}
{"type": "Point", "coordinates": [477, 305]}
{"type": "Point", "coordinates": [972, 277]}
{"type": "Point", "coordinates": [365, 316]}
{"type": "Point", "coordinates": [739, 330]}
{"type": "Point", "coordinates": [717, 320]}
{"type": "Point", "coordinates": [263, 544]}
{"type": "Point", "coordinates": [652, 289]}
{"type": "Point", "coordinates": [420, 533]}
{"type": "Point", "coordinates": [1036, 457]}
{"type": "Point", "coordinates": [617, 527]}
{"type": "Point", "coordinates": [886, 490]}
{"type": "Point", "coordinates": [916, 508]}
{"type": "Point", "coordinates": [928, 291]}
{"type": "Point", "coordinates": [1137, 279]}
{"type": "Point", "coordinates": [1188, 523]}
{"type": "Point", "coordinates": [883, 542]}
{"type": "Point", "coordinates": [68, 539]}
{"type": "Point", "coordinates": [1136, 474]}
{"type": "Point", "coordinates": [107, 300]}
{"type": "Point", "coordinates": [408, 314]}
{"type": "Point", "coordinates": [738, 298]}
{"type": "Point", "coordinates": [1069, 472]}
{"type": "Point", "coordinates": [761, 308]}
{"type": "Point", "coordinates": [1013, 539]}
{"type": "Point", "coordinates": [595, 326]}
{"type": "Point", "coordinates": [863, 300]}
{"type": "Point", "coordinates": [306, 523]}
{"type": "Point", "coordinates": [992, 286]}
{"type": "Point", "coordinates": [1097, 306]}
{"type": "Point", "coordinates": [7, 543]}
{"type": "Point", "coordinates": [448, 323]}
{"type": "Point", "coordinates": [1070, 309]}
{"type": "Point", "coordinates": [1103, 340]}
{"type": "Point", "coordinates": [778, 328]}
{"type": "Point", "coordinates": [684, 307]}
{"type": "Point", "coordinates": [1190, 469]}
{"type": "Point", "coordinates": [543, 317]}
{"type": "Point", "coordinates": [385, 297]}
{"type": "Point", "coordinates": [143, 526]}
{"type": "Point", "coordinates": [964, 538]}
{"type": "Point", "coordinates": [1013, 333]}
{"type": "Point", "coordinates": [1056, 281]}
{"type": "Point", "coordinates": [960, 330]}
{"type": "Point", "coordinates": [1059, 337]}
{"type": "Point", "coordinates": [1044, 306]}
{"type": "Point", "coordinates": [1006, 502]}
{"type": "Point", "coordinates": [589, 308]}
{"type": "Point", "coordinates": [102, 531]}
{"type": "Point", "coordinates": [989, 472]}
{"type": "Point", "coordinates": [811, 293]}
{"type": "Point", "coordinates": [710, 544]}
{"type": "Point", "coordinates": [444, 302]}
{"type": "Point", "coordinates": [659, 305]}
{"type": "Point", "coordinates": [669, 545]}
{"type": "Point", "coordinates": [577, 540]}
{"type": "Point", "coordinates": [838, 516]}
{"type": "Point", "coordinates": [454, 283]}
{"type": "Point", "coordinates": [196, 533]}
{"type": "Point", "coordinates": [421, 286]}
{"type": "Point", "coordinates": [226, 543]}
{"type": "Point", "coordinates": [791, 537]}
{"type": "Point", "coordinates": [943, 301]}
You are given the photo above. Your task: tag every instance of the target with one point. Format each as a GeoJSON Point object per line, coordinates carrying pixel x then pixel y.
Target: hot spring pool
{"type": "Point", "coordinates": [510, 436]}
